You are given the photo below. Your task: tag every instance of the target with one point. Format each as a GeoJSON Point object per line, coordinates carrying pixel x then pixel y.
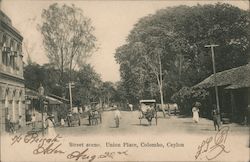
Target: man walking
{"type": "Point", "coordinates": [216, 118]}
{"type": "Point", "coordinates": [117, 115]}
{"type": "Point", "coordinates": [131, 107]}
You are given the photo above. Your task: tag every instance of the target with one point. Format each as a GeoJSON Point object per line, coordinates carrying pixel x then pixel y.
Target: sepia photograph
{"type": "Point", "coordinates": [124, 80]}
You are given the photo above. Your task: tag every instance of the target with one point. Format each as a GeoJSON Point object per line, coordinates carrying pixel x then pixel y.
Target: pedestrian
{"type": "Point", "coordinates": [20, 121]}
{"type": "Point", "coordinates": [69, 119]}
{"type": "Point", "coordinates": [7, 121]}
{"type": "Point", "coordinates": [50, 126]}
{"type": "Point", "coordinates": [246, 115]}
{"type": "Point", "coordinates": [131, 107]}
{"type": "Point", "coordinates": [44, 119]}
{"type": "Point", "coordinates": [33, 120]}
{"type": "Point", "coordinates": [94, 116]}
{"type": "Point", "coordinates": [117, 118]}
{"type": "Point", "coordinates": [62, 122]}
{"type": "Point", "coordinates": [12, 126]}
{"type": "Point", "coordinates": [216, 118]}
{"type": "Point", "coordinates": [195, 111]}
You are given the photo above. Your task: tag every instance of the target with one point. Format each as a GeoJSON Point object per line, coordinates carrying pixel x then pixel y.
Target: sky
{"type": "Point", "coordinates": [113, 20]}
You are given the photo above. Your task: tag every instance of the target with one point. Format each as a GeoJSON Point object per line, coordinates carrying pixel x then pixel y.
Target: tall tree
{"type": "Point", "coordinates": [178, 35]}
{"type": "Point", "coordinates": [67, 36]}
{"type": "Point", "coordinates": [88, 84]}
{"type": "Point", "coordinates": [47, 75]}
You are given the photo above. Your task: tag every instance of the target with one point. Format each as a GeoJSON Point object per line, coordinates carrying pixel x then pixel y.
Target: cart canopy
{"type": "Point", "coordinates": [147, 101]}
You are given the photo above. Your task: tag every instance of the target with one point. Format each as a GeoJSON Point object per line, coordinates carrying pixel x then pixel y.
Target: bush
{"type": "Point", "coordinates": [186, 96]}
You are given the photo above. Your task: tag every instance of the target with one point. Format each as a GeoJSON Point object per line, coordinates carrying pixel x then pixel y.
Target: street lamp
{"type": "Point", "coordinates": [214, 71]}
{"type": "Point", "coordinates": [41, 95]}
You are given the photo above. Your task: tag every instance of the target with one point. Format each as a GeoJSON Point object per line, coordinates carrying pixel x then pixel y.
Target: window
{"type": "Point", "coordinates": [6, 102]}
{"type": "Point", "coordinates": [13, 109]}
{"type": "Point", "coordinates": [20, 103]}
{"type": "Point", "coordinates": [11, 54]}
{"type": "Point", "coordinates": [19, 50]}
{"type": "Point", "coordinates": [4, 51]}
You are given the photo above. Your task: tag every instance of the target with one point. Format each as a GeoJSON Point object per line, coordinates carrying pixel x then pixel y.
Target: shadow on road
{"type": "Point", "coordinates": [145, 125]}
{"type": "Point", "coordinates": [206, 129]}
{"type": "Point", "coordinates": [188, 122]}
{"type": "Point", "coordinates": [184, 116]}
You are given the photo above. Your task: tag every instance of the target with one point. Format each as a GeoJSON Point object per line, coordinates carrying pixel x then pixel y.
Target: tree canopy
{"type": "Point", "coordinates": [178, 35]}
{"type": "Point", "coordinates": [67, 36]}
{"type": "Point", "coordinates": [88, 86]}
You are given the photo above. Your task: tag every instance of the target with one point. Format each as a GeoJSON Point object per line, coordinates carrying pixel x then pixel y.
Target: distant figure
{"type": "Point", "coordinates": [216, 118]}
{"type": "Point", "coordinates": [131, 107]}
{"type": "Point", "coordinates": [246, 115]}
{"type": "Point", "coordinates": [19, 122]}
{"type": "Point", "coordinates": [33, 120]}
{"type": "Point", "coordinates": [50, 126]}
{"type": "Point", "coordinates": [7, 121]}
{"type": "Point", "coordinates": [80, 110]}
{"type": "Point", "coordinates": [62, 122]}
{"type": "Point", "coordinates": [44, 119]}
{"type": "Point", "coordinates": [12, 126]}
{"type": "Point", "coordinates": [144, 108]}
{"type": "Point", "coordinates": [117, 115]}
{"type": "Point", "coordinates": [195, 111]}
{"type": "Point", "coordinates": [175, 108]}
{"type": "Point", "coordinates": [69, 119]}
{"type": "Point", "coordinates": [95, 121]}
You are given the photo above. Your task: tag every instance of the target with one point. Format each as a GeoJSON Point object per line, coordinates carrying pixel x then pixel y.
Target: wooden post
{"type": "Point", "coordinates": [214, 71]}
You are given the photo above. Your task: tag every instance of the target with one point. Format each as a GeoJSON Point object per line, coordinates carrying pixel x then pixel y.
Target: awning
{"type": "Point", "coordinates": [53, 101]}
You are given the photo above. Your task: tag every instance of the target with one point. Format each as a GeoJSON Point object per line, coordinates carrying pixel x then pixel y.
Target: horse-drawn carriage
{"type": "Point", "coordinates": [73, 119]}
{"type": "Point", "coordinates": [148, 111]}
{"type": "Point", "coordinates": [95, 114]}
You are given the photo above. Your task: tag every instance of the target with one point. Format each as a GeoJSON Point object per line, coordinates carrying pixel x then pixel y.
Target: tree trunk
{"type": "Point", "coordinates": [160, 86]}
{"type": "Point", "coordinates": [162, 103]}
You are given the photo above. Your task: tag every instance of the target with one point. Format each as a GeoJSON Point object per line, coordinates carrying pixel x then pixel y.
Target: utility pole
{"type": "Point", "coordinates": [70, 96]}
{"type": "Point", "coordinates": [214, 70]}
{"type": "Point", "coordinates": [70, 85]}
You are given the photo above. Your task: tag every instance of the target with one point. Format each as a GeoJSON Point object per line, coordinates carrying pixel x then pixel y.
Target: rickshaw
{"type": "Point", "coordinates": [94, 114]}
{"type": "Point", "coordinates": [148, 111]}
{"type": "Point", "coordinates": [73, 119]}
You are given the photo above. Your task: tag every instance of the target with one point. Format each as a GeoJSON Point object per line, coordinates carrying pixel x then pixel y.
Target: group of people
{"type": "Point", "coordinates": [214, 113]}
{"type": "Point", "coordinates": [10, 124]}
{"type": "Point", "coordinates": [48, 124]}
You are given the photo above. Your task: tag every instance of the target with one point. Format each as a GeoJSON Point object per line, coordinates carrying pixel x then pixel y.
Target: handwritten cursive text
{"type": "Point", "coordinates": [212, 147]}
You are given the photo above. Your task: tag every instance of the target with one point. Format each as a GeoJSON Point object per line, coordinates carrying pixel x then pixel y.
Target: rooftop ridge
{"type": "Point", "coordinates": [5, 18]}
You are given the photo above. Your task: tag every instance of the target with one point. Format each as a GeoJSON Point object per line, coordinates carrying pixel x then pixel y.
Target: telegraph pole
{"type": "Point", "coordinates": [70, 85]}
{"type": "Point", "coordinates": [70, 95]}
{"type": "Point", "coordinates": [214, 70]}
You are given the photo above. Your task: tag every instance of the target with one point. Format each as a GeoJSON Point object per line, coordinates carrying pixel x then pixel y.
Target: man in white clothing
{"type": "Point", "coordinates": [117, 117]}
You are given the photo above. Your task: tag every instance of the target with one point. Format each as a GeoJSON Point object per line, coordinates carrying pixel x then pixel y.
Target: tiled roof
{"type": "Point", "coordinates": [234, 78]}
